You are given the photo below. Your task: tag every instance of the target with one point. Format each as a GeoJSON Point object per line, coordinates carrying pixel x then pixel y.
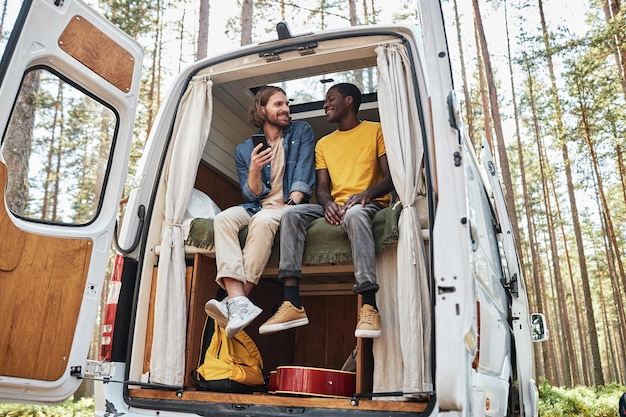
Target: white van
{"type": "Point", "coordinates": [457, 334]}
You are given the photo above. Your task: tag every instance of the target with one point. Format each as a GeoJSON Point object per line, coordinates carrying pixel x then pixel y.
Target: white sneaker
{"type": "Point", "coordinates": [241, 312]}
{"type": "Point", "coordinates": [218, 311]}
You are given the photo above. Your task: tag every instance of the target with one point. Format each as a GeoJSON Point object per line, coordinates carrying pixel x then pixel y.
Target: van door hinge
{"type": "Point", "coordinates": [101, 371]}
{"type": "Point", "coordinates": [512, 285]}
{"type": "Point", "coordinates": [457, 159]}
{"type": "Point", "coordinates": [76, 371]}
{"type": "Point", "coordinates": [95, 370]}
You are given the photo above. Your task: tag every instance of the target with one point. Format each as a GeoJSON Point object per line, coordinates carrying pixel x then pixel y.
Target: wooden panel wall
{"type": "Point", "coordinates": [203, 288]}
{"type": "Point", "coordinates": [328, 339]}
{"type": "Point", "coordinates": [42, 282]}
{"type": "Point", "coordinates": [222, 190]}
{"type": "Point", "coordinates": [110, 61]}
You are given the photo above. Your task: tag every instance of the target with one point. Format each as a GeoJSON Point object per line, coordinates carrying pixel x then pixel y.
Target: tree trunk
{"type": "Point", "coordinates": [591, 325]}
{"type": "Point", "coordinates": [58, 153]}
{"type": "Point", "coordinates": [567, 351]}
{"type": "Point", "coordinates": [155, 78]}
{"type": "Point", "coordinates": [578, 375]}
{"type": "Point", "coordinates": [18, 141]}
{"type": "Point", "coordinates": [535, 261]}
{"type": "Point", "coordinates": [613, 253]}
{"type": "Point", "coordinates": [622, 169]}
{"type": "Point", "coordinates": [48, 211]}
{"type": "Point", "coordinates": [534, 256]}
{"type": "Point", "coordinates": [203, 30]}
{"type": "Point", "coordinates": [466, 90]}
{"type": "Point", "coordinates": [559, 307]}
{"type": "Point", "coordinates": [352, 9]}
{"type": "Point", "coordinates": [181, 38]}
{"type": "Point", "coordinates": [247, 8]}
{"type": "Point", "coordinates": [537, 273]}
{"type": "Point", "coordinates": [3, 16]}
{"type": "Point", "coordinates": [554, 364]}
{"type": "Point", "coordinates": [505, 170]}
{"type": "Point", "coordinates": [614, 349]}
{"type": "Point", "coordinates": [617, 43]}
{"type": "Point", "coordinates": [609, 340]}
{"type": "Point", "coordinates": [483, 94]}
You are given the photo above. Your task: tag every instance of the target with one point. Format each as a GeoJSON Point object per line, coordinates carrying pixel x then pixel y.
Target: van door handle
{"type": "Point", "coordinates": [473, 234]}
{"type": "Point", "coordinates": [141, 213]}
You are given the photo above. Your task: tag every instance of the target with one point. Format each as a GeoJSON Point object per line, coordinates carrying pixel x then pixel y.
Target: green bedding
{"type": "Point", "coordinates": [325, 243]}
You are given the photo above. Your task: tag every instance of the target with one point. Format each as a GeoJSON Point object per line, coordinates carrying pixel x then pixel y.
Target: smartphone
{"type": "Point", "coordinates": [260, 138]}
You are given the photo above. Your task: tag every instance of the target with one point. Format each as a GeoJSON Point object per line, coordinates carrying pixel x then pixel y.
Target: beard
{"type": "Point", "coordinates": [280, 120]}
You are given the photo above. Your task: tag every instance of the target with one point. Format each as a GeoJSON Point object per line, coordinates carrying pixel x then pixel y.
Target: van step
{"type": "Point", "coordinates": [414, 406]}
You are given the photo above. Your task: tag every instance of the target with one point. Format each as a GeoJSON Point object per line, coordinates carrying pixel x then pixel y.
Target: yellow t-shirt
{"type": "Point", "coordinates": [351, 158]}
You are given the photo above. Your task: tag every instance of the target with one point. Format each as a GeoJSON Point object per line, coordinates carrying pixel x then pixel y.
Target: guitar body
{"type": "Point", "coordinates": [272, 386]}
{"type": "Point", "coordinates": [302, 380]}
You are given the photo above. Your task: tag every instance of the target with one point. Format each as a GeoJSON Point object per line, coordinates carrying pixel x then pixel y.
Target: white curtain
{"type": "Point", "coordinates": [406, 345]}
{"type": "Point", "coordinates": [191, 131]}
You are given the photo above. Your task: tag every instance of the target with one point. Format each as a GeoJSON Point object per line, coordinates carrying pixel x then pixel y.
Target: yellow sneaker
{"type": "Point", "coordinates": [369, 322]}
{"type": "Point", "coordinates": [287, 317]}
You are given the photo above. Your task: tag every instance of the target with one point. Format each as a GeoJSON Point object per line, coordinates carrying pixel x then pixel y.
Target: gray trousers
{"type": "Point", "coordinates": [357, 222]}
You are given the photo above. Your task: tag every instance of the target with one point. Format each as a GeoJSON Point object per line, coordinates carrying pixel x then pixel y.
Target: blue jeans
{"type": "Point", "coordinates": [357, 222]}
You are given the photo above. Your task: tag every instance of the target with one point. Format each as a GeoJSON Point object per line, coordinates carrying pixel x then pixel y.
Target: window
{"type": "Point", "coordinates": [56, 147]}
{"type": "Point", "coordinates": [309, 93]}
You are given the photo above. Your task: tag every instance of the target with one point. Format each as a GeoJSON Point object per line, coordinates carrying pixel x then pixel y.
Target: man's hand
{"type": "Point", "coordinates": [258, 159]}
{"type": "Point", "coordinates": [354, 199]}
{"type": "Point", "coordinates": [333, 213]}
{"type": "Point", "coordinates": [296, 196]}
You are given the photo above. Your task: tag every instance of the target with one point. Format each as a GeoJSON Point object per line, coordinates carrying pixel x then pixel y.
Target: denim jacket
{"type": "Point", "coordinates": [299, 147]}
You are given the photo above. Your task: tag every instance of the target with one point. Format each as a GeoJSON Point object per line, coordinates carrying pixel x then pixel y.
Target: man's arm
{"type": "Point", "coordinates": [246, 169]}
{"type": "Point", "coordinates": [303, 181]}
{"type": "Point", "coordinates": [384, 186]}
{"type": "Point", "coordinates": [332, 211]}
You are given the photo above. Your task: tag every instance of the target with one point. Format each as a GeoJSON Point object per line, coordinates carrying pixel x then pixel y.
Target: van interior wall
{"type": "Point", "coordinates": [223, 191]}
{"type": "Point", "coordinates": [325, 343]}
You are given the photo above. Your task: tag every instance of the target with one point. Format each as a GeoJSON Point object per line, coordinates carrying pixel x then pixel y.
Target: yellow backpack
{"type": "Point", "coordinates": [228, 364]}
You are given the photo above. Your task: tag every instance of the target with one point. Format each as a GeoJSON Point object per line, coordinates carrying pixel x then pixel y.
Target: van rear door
{"type": "Point", "coordinates": [69, 82]}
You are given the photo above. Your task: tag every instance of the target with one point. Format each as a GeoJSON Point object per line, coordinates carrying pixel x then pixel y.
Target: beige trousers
{"type": "Point", "coordinates": [247, 264]}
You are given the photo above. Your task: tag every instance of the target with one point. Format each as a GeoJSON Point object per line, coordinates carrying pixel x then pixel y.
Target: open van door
{"type": "Point", "coordinates": [528, 394]}
{"type": "Point", "coordinates": [69, 83]}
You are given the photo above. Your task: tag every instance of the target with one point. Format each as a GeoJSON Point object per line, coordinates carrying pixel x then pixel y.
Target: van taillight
{"type": "Point", "coordinates": [110, 311]}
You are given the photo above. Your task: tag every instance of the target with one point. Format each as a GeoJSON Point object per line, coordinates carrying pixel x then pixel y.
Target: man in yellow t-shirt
{"type": "Point", "coordinates": [353, 183]}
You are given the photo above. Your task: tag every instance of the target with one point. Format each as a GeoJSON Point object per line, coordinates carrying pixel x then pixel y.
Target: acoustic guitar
{"type": "Point", "coordinates": [319, 382]}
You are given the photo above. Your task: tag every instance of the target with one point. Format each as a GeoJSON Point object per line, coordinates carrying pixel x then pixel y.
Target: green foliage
{"type": "Point", "coordinates": [135, 17]}
{"type": "Point", "coordinates": [80, 408]}
{"type": "Point", "coordinates": [580, 401]}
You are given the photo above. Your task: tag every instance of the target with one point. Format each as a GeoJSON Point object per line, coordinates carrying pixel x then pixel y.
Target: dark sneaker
{"type": "Point", "coordinates": [218, 311]}
{"type": "Point", "coordinates": [241, 312]}
{"type": "Point", "coordinates": [369, 322]}
{"type": "Point", "coordinates": [287, 317]}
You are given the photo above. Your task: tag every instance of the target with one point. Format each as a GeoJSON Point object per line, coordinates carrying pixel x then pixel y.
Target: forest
{"type": "Point", "coordinates": [544, 87]}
